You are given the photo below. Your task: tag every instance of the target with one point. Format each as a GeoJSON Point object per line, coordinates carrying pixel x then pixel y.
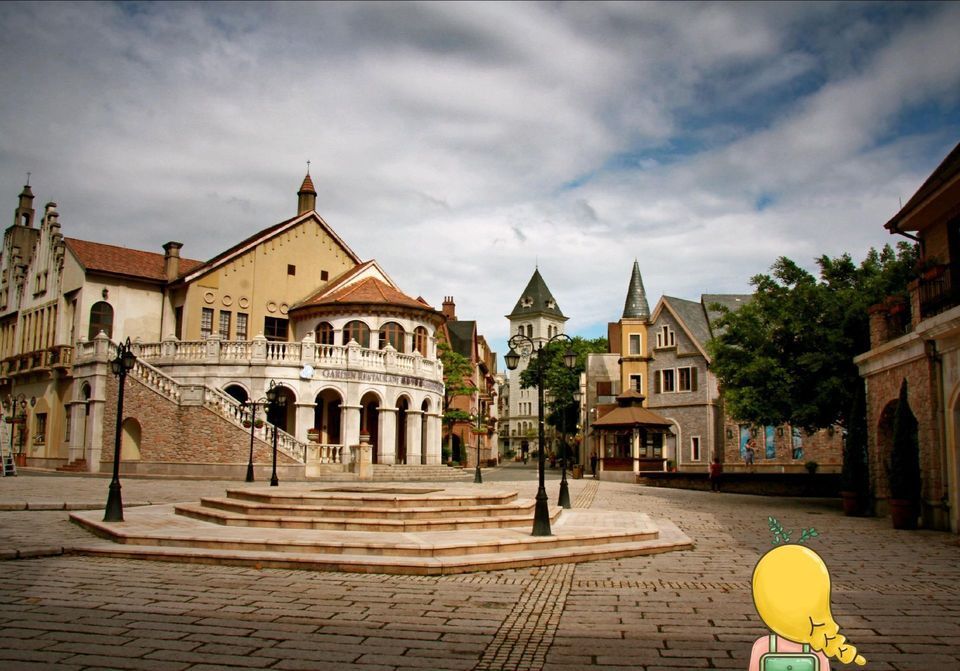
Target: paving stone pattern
{"type": "Point", "coordinates": [896, 596]}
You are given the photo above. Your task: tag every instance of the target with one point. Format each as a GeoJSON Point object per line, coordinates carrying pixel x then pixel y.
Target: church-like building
{"type": "Point", "coordinates": [291, 305]}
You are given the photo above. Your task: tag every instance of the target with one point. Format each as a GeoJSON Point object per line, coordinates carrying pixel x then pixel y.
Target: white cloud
{"type": "Point", "coordinates": [461, 143]}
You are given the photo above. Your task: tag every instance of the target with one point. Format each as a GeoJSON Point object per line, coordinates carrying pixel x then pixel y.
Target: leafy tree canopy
{"type": "Point", "coordinates": [457, 380]}
{"type": "Point", "coordinates": [787, 356]}
{"type": "Point", "coordinates": [559, 381]}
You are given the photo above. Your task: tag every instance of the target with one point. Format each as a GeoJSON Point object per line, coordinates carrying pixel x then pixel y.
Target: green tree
{"type": "Point", "coordinates": [457, 381]}
{"type": "Point", "coordinates": [787, 355]}
{"type": "Point", "coordinates": [561, 382]}
{"type": "Point", "coordinates": [856, 471]}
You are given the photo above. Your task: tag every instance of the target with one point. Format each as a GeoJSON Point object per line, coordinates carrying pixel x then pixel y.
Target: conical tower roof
{"type": "Point", "coordinates": [307, 186]}
{"type": "Point", "coordinates": [636, 306]}
{"type": "Point", "coordinates": [536, 298]}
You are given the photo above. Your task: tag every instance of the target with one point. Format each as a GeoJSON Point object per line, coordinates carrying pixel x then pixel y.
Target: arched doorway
{"type": "Point", "coordinates": [284, 414]}
{"type": "Point", "coordinates": [130, 440]}
{"type": "Point", "coordinates": [327, 418]}
{"type": "Point", "coordinates": [402, 406]}
{"type": "Point", "coordinates": [885, 444]}
{"type": "Point", "coordinates": [456, 448]}
{"type": "Point", "coordinates": [370, 419]}
{"type": "Point", "coordinates": [237, 392]}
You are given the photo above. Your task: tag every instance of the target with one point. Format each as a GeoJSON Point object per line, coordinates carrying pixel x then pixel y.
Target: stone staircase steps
{"type": "Point", "coordinates": [380, 512]}
{"type": "Point", "coordinates": [78, 466]}
{"type": "Point", "coordinates": [372, 496]}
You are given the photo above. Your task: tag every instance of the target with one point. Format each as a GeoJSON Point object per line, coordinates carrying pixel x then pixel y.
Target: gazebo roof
{"type": "Point", "coordinates": [633, 416]}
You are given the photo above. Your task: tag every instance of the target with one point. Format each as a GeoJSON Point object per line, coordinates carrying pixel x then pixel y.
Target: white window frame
{"type": "Point", "coordinates": [673, 381]}
{"type": "Point", "coordinates": [666, 337]}
{"type": "Point", "coordinates": [635, 337]}
{"type": "Point", "coordinates": [633, 384]}
{"type": "Point", "coordinates": [698, 454]}
{"type": "Point", "coordinates": [679, 377]}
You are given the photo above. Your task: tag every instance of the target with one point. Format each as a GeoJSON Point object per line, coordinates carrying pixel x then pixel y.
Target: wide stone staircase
{"type": "Point", "coordinates": [375, 529]}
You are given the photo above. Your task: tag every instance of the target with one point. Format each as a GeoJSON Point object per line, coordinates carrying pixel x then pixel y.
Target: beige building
{"type": "Point", "coordinates": [291, 305]}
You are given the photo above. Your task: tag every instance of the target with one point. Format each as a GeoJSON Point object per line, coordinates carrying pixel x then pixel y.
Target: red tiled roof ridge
{"type": "Point", "coordinates": [121, 260]}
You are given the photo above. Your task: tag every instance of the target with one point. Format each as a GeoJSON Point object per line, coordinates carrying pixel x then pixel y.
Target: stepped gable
{"type": "Point", "coordinates": [536, 299]}
{"type": "Point", "coordinates": [122, 261]}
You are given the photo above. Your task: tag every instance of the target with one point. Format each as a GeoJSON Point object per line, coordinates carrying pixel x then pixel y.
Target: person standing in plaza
{"type": "Point", "coordinates": [716, 470]}
{"type": "Point", "coordinates": [593, 463]}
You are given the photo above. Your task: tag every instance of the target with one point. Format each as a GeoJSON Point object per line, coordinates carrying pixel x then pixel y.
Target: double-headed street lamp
{"type": "Point", "coordinates": [253, 421]}
{"type": "Point", "coordinates": [533, 350]}
{"type": "Point", "coordinates": [120, 365]}
{"type": "Point", "coordinates": [276, 401]}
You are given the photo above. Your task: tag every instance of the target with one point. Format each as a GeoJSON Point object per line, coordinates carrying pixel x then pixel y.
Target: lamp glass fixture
{"type": "Point", "coordinates": [570, 359]}
{"type": "Point", "coordinates": [512, 359]}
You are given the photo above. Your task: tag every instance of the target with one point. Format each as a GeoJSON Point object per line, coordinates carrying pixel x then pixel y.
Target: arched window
{"type": "Point", "coordinates": [529, 330]}
{"type": "Point", "coordinates": [391, 333]}
{"type": "Point", "coordinates": [357, 330]}
{"type": "Point", "coordinates": [420, 340]}
{"type": "Point", "coordinates": [324, 334]}
{"type": "Point", "coordinates": [101, 319]}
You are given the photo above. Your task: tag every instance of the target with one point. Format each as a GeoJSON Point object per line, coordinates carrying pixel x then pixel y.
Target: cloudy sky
{"type": "Point", "coordinates": [462, 144]}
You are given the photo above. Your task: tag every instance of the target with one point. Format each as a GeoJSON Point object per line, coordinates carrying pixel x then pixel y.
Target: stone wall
{"type": "Point", "coordinates": [179, 433]}
{"type": "Point", "coordinates": [824, 447]}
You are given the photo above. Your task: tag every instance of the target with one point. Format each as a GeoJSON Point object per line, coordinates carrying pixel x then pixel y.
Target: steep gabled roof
{"type": "Point", "coordinates": [262, 236]}
{"type": "Point", "coordinates": [691, 318]}
{"type": "Point", "coordinates": [96, 257]}
{"type": "Point", "coordinates": [944, 173]}
{"type": "Point", "coordinates": [536, 299]}
{"type": "Point", "coordinates": [732, 302]}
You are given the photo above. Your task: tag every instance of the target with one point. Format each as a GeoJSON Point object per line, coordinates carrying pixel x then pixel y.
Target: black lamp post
{"type": "Point", "coordinates": [120, 365]}
{"type": "Point", "coordinates": [253, 421]}
{"type": "Point", "coordinates": [276, 401]}
{"type": "Point", "coordinates": [564, 500]}
{"type": "Point", "coordinates": [477, 477]}
{"type": "Point", "coordinates": [533, 351]}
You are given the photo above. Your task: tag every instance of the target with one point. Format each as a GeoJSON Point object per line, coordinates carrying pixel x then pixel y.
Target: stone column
{"type": "Point", "coordinates": [433, 455]}
{"type": "Point", "coordinates": [387, 438]}
{"type": "Point", "coordinates": [97, 402]}
{"type": "Point", "coordinates": [349, 428]}
{"type": "Point", "coordinates": [78, 410]}
{"type": "Point", "coordinates": [413, 436]}
{"type": "Point", "coordinates": [304, 420]}
{"type": "Point", "coordinates": [635, 443]}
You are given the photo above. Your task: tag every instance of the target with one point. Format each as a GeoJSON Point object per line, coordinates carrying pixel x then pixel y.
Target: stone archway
{"type": "Point", "coordinates": [327, 417]}
{"type": "Point", "coordinates": [284, 414]}
{"type": "Point", "coordinates": [237, 392]}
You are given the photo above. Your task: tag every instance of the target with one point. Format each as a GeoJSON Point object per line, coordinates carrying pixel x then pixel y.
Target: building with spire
{"type": "Point", "coordinates": [291, 305]}
{"type": "Point", "coordinates": [537, 316]}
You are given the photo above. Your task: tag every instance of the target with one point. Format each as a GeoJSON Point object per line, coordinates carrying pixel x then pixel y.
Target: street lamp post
{"type": "Point", "coordinates": [121, 365]}
{"type": "Point", "coordinates": [531, 350]}
{"type": "Point", "coordinates": [564, 500]}
{"type": "Point", "coordinates": [477, 477]}
{"type": "Point", "coordinates": [253, 421]}
{"type": "Point", "coordinates": [276, 400]}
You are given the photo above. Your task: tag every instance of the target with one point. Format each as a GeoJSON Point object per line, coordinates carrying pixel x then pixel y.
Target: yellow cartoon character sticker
{"type": "Point", "coordinates": [791, 591]}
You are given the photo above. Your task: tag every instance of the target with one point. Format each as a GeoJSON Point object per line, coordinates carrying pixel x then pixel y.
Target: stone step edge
{"type": "Point", "coordinates": [228, 518]}
{"type": "Point", "coordinates": [399, 501]}
{"type": "Point", "coordinates": [491, 510]}
{"type": "Point", "coordinates": [396, 565]}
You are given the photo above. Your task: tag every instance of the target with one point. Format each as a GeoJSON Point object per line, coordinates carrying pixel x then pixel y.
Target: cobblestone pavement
{"type": "Point", "coordinates": [896, 595]}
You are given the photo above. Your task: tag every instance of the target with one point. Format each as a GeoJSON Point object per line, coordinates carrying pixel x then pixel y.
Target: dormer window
{"type": "Point", "coordinates": [666, 337]}
{"type": "Point", "coordinates": [526, 302]}
{"type": "Point", "coordinates": [551, 304]}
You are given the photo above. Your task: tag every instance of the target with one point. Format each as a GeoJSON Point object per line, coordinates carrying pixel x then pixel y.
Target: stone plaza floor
{"type": "Point", "coordinates": [896, 594]}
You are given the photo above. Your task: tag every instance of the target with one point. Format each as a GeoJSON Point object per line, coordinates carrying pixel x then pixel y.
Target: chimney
{"type": "Point", "coordinates": [171, 260]}
{"type": "Point", "coordinates": [449, 308]}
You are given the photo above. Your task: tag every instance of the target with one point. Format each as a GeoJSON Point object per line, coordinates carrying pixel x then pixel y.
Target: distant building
{"type": "Point", "coordinates": [537, 316]}
{"type": "Point", "coordinates": [919, 342]}
{"type": "Point", "coordinates": [465, 340]}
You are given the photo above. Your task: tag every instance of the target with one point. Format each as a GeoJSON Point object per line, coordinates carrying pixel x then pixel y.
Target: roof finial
{"type": "Point", "coordinates": [28, 179]}
{"type": "Point", "coordinates": [308, 166]}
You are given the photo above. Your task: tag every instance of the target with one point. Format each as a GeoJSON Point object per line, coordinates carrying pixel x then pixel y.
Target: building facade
{"type": "Point", "coordinates": [291, 305]}
{"type": "Point", "coordinates": [919, 341]}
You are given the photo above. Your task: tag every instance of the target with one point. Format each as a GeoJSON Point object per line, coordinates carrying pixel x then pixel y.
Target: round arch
{"type": "Point", "coordinates": [328, 416]}
{"type": "Point", "coordinates": [370, 419]}
{"type": "Point", "coordinates": [237, 391]}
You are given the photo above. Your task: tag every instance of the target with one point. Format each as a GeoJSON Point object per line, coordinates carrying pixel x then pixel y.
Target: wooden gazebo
{"type": "Point", "coordinates": [631, 436]}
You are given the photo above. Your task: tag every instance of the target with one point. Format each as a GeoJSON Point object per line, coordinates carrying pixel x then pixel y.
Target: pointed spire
{"type": "Point", "coordinates": [536, 298]}
{"type": "Point", "coordinates": [636, 306]}
{"type": "Point", "coordinates": [307, 195]}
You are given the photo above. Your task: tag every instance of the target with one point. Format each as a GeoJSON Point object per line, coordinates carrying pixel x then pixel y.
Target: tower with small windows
{"type": "Point", "coordinates": [629, 336]}
{"type": "Point", "coordinates": [537, 316]}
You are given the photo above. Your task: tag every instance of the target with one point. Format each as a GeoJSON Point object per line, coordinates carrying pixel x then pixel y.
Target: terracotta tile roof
{"type": "Point", "coordinates": [307, 186]}
{"type": "Point", "coordinates": [367, 291]}
{"type": "Point", "coordinates": [98, 257]}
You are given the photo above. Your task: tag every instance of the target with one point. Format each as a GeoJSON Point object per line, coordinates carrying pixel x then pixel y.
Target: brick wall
{"type": "Point", "coordinates": [824, 447]}
{"type": "Point", "coordinates": [181, 434]}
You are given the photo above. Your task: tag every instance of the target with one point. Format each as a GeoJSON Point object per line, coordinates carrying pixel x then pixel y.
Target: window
{"type": "Point", "coordinates": [687, 379]}
{"type": "Point", "coordinates": [241, 326]}
{"type": "Point", "coordinates": [695, 448]}
{"type": "Point", "coordinates": [666, 337]}
{"type": "Point", "coordinates": [324, 275]}
{"type": "Point", "coordinates": [324, 333]}
{"type": "Point", "coordinates": [520, 329]}
{"type": "Point", "coordinates": [67, 411]}
{"type": "Point", "coordinates": [206, 323]}
{"type": "Point", "coordinates": [356, 330]}
{"type": "Point", "coordinates": [636, 383]}
{"type": "Point", "coordinates": [391, 333]}
{"type": "Point", "coordinates": [178, 322]}
{"type": "Point", "coordinates": [529, 330]}
{"type": "Point", "coordinates": [39, 428]}
{"type": "Point", "coordinates": [635, 343]}
{"type": "Point", "coordinates": [225, 318]}
{"type": "Point", "coordinates": [275, 328]}
{"type": "Point", "coordinates": [101, 319]}
{"type": "Point", "coordinates": [291, 269]}
{"type": "Point", "coordinates": [666, 381]}
{"type": "Point", "coordinates": [420, 340]}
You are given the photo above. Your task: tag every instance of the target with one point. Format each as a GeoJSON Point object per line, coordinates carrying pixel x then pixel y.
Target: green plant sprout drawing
{"type": "Point", "coordinates": [782, 536]}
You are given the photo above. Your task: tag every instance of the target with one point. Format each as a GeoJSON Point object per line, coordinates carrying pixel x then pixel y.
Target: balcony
{"type": "Point", "coordinates": [937, 291]}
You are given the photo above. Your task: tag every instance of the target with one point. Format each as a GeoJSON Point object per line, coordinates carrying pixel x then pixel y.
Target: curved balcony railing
{"type": "Point", "coordinates": [261, 351]}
